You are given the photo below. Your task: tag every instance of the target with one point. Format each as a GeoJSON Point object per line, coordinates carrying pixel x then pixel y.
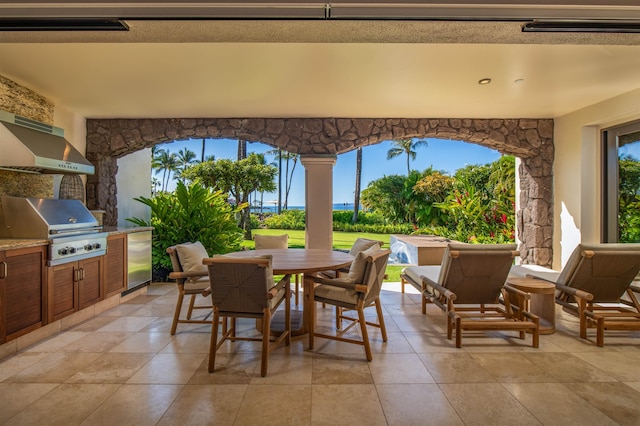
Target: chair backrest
{"type": "Point", "coordinates": [476, 272]}
{"type": "Point", "coordinates": [605, 270]}
{"type": "Point", "coordinates": [361, 244]}
{"type": "Point", "coordinates": [240, 284]}
{"type": "Point", "coordinates": [187, 257]}
{"type": "Point", "coordinates": [271, 241]}
{"type": "Point", "coordinates": [374, 274]}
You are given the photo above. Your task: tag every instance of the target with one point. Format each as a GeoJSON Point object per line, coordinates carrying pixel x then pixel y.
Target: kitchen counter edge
{"type": "Point", "coordinates": [17, 243]}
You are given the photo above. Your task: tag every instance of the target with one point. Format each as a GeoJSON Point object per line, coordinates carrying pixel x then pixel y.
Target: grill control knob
{"type": "Point", "coordinates": [96, 245]}
{"type": "Point", "coordinates": [88, 247]}
{"type": "Point", "coordinates": [63, 251]}
{"type": "Point", "coordinates": [72, 250]}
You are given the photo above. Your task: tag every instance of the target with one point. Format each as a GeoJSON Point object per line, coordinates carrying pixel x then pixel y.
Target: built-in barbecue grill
{"type": "Point", "coordinates": [73, 232]}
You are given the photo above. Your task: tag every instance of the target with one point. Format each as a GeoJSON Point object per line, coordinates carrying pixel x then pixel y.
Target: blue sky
{"type": "Point", "coordinates": [440, 154]}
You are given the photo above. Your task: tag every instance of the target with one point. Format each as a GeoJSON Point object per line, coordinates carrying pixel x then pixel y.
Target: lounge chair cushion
{"type": "Point", "coordinates": [431, 272]}
{"type": "Point", "coordinates": [190, 256]}
{"type": "Point", "coordinates": [536, 271]}
{"type": "Point", "coordinates": [362, 244]}
{"type": "Point", "coordinates": [359, 264]}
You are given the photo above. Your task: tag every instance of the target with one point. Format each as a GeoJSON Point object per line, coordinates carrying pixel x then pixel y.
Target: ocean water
{"type": "Point", "coordinates": [270, 208]}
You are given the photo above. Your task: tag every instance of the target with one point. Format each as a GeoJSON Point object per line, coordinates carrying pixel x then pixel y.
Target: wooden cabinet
{"type": "Point", "coordinates": [73, 286]}
{"type": "Point", "coordinates": [115, 265]}
{"type": "Point", "coordinates": [22, 299]}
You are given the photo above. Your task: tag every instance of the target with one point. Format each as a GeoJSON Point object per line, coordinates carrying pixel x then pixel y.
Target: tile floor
{"type": "Point", "coordinates": [124, 368]}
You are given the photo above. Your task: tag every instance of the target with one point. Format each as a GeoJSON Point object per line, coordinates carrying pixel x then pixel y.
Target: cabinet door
{"type": "Point", "coordinates": [89, 284]}
{"type": "Point", "coordinates": [63, 290]}
{"type": "Point", "coordinates": [115, 265]}
{"type": "Point", "coordinates": [22, 274]}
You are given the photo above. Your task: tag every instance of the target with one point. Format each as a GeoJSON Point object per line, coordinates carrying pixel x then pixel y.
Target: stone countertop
{"type": "Point", "coordinates": [16, 243]}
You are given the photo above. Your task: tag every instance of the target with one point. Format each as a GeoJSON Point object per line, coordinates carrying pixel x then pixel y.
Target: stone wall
{"type": "Point", "coordinates": [529, 139]}
{"type": "Point", "coordinates": [19, 100]}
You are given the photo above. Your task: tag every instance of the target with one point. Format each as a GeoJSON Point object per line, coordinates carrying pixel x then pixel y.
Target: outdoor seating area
{"type": "Point", "coordinates": [124, 367]}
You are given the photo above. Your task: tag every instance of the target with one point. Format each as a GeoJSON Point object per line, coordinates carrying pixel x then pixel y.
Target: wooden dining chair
{"type": "Point", "coordinates": [244, 288]}
{"type": "Point", "coordinates": [265, 242]}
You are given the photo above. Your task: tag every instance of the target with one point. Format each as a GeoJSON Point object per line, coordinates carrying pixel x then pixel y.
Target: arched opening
{"type": "Point", "coordinates": [530, 140]}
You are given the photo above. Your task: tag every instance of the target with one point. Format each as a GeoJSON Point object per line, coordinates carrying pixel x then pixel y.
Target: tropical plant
{"type": "Point", "coordinates": [405, 146]}
{"type": "Point", "coordinates": [236, 178]}
{"type": "Point", "coordinates": [190, 213]}
{"type": "Point", "coordinates": [384, 196]}
{"type": "Point", "coordinates": [184, 158]}
{"type": "Point", "coordinates": [432, 188]}
{"type": "Point", "coordinates": [281, 155]}
{"type": "Point", "coordinates": [629, 200]}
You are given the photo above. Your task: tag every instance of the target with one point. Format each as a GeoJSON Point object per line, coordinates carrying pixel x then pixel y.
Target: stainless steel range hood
{"type": "Point", "coordinates": [30, 146]}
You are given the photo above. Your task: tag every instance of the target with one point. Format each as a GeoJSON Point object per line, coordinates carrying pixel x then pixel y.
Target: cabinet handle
{"type": "Point", "coordinates": [76, 275]}
{"type": "Point", "coordinates": [5, 270]}
{"type": "Point", "coordinates": [81, 273]}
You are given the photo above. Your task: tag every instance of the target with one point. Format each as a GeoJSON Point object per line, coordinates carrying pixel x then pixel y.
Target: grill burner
{"type": "Point", "coordinates": [70, 227]}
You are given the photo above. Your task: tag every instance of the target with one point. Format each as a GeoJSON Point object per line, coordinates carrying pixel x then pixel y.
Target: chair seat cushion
{"type": "Point", "coordinates": [537, 271]}
{"type": "Point", "coordinates": [330, 292]}
{"type": "Point", "coordinates": [190, 256]}
{"type": "Point", "coordinates": [415, 272]}
{"type": "Point", "coordinates": [196, 286]}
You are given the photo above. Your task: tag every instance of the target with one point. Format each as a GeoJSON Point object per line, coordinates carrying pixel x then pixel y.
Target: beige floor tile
{"type": "Point", "coordinates": [396, 343]}
{"type": "Point", "coordinates": [93, 324]}
{"type": "Point", "coordinates": [14, 364]}
{"type": "Point", "coordinates": [57, 342]}
{"type": "Point", "coordinates": [421, 323]}
{"type": "Point", "coordinates": [138, 405]}
{"type": "Point", "coordinates": [555, 403]}
{"type": "Point", "coordinates": [458, 367]}
{"type": "Point", "coordinates": [126, 323]}
{"type": "Point", "coordinates": [190, 343]}
{"type": "Point", "coordinates": [430, 342]}
{"type": "Point", "coordinates": [620, 365]}
{"type": "Point", "coordinates": [416, 404]}
{"type": "Point", "coordinates": [205, 405]}
{"type": "Point", "coordinates": [284, 368]}
{"type": "Point", "coordinates": [18, 396]}
{"type": "Point", "coordinates": [67, 404]}
{"type": "Point", "coordinates": [487, 404]}
{"type": "Point", "coordinates": [163, 325]}
{"type": "Point", "coordinates": [275, 405]}
{"type": "Point", "coordinates": [399, 368]}
{"type": "Point", "coordinates": [237, 368]}
{"type": "Point", "coordinates": [168, 369]}
{"type": "Point", "coordinates": [505, 367]}
{"type": "Point", "coordinates": [111, 368]}
{"type": "Point", "coordinates": [120, 311]}
{"type": "Point", "coordinates": [143, 342]}
{"type": "Point", "coordinates": [346, 405]}
{"type": "Point", "coordinates": [153, 310]}
{"type": "Point", "coordinates": [141, 299]}
{"type": "Point", "coordinates": [55, 368]}
{"type": "Point", "coordinates": [567, 368]}
{"type": "Point", "coordinates": [98, 341]}
{"type": "Point", "coordinates": [335, 370]}
{"type": "Point", "coordinates": [617, 400]}
{"type": "Point", "coordinates": [634, 385]}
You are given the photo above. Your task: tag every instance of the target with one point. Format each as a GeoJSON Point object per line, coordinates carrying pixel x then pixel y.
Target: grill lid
{"type": "Point", "coordinates": [42, 217]}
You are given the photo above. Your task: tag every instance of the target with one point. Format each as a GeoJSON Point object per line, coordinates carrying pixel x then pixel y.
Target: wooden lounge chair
{"type": "Point", "coordinates": [596, 285]}
{"type": "Point", "coordinates": [244, 288]}
{"type": "Point", "coordinates": [470, 288]}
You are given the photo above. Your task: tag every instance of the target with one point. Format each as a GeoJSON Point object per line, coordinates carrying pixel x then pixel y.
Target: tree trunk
{"type": "Point", "coordinates": [242, 149]}
{"type": "Point", "coordinates": [286, 184]}
{"type": "Point", "coordinates": [202, 155]}
{"type": "Point", "coordinates": [356, 200]}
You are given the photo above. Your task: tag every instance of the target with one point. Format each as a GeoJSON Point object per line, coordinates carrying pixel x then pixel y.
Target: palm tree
{"type": "Point", "coordinates": [356, 200]}
{"type": "Point", "coordinates": [405, 146]}
{"type": "Point", "coordinates": [242, 149]}
{"type": "Point", "coordinates": [184, 158]}
{"type": "Point", "coordinates": [281, 155]}
{"type": "Point", "coordinates": [166, 162]}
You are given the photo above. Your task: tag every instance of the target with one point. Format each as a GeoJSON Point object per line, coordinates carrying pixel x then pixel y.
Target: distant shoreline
{"type": "Point", "coordinates": [273, 209]}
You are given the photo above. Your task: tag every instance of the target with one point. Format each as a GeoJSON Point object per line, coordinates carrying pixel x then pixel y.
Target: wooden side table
{"type": "Point", "coordinates": [542, 301]}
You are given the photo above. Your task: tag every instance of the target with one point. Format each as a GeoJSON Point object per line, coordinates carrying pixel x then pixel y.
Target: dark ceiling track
{"type": "Point", "coordinates": [590, 26]}
{"type": "Point", "coordinates": [62, 24]}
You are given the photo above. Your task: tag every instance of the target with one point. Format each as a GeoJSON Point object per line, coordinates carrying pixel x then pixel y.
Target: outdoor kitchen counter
{"type": "Point", "coordinates": [16, 243]}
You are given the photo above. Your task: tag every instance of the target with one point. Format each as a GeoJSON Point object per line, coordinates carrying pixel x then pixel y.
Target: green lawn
{"type": "Point", "coordinates": [341, 240]}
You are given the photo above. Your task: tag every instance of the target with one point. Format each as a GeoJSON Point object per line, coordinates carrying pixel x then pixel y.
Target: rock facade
{"type": "Point", "coordinates": [531, 140]}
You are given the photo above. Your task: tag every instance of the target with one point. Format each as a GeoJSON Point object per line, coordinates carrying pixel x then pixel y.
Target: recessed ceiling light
{"type": "Point", "coordinates": [484, 81]}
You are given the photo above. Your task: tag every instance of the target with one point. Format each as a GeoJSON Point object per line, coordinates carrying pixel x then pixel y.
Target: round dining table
{"type": "Point", "coordinates": [300, 261]}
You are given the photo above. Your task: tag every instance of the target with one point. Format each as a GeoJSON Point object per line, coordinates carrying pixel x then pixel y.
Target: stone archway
{"type": "Point", "coordinates": [531, 140]}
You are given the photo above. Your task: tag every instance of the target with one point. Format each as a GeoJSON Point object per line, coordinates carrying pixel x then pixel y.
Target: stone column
{"type": "Point", "coordinates": [318, 182]}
